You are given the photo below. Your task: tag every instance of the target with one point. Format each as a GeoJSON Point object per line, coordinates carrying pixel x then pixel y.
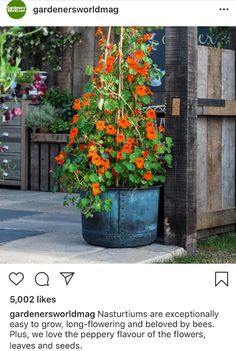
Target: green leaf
{"type": "Point", "coordinates": [130, 166]}
{"type": "Point", "coordinates": [148, 165]}
{"type": "Point", "coordinates": [110, 105]}
{"type": "Point", "coordinates": [107, 205]}
{"type": "Point", "coordinates": [86, 178]}
{"type": "Point", "coordinates": [126, 94]}
{"type": "Point", "coordinates": [169, 141]}
{"type": "Point", "coordinates": [84, 201]}
{"type": "Point", "coordinates": [162, 179]}
{"type": "Point", "coordinates": [119, 168]}
{"type": "Point", "coordinates": [94, 178]}
{"type": "Point", "coordinates": [168, 159]}
{"type": "Point", "coordinates": [89, 70]}
{"type": "Point", "coordinates": [108, 175]}
{"type": "Point", "coordinates": [146, 99]}
{"type": "Point", "coordinates": [72, 168]}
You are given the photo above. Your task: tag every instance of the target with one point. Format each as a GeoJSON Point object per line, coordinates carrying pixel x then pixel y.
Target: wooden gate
{"type": "Point", "coordinates": [216, 210]}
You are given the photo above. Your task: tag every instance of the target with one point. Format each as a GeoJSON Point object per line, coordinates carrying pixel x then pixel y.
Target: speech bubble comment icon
{"type": "Point", "coordinates": [42, 279]}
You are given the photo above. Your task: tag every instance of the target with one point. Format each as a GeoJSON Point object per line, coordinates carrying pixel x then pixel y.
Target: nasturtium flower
{"type": "Point", "coordinates": [161, 129]}
{"type": "Point", "coordinates": [111, 130]}
{"type": "Point", "coordinates": [139, 162]}
{"type": "Point", "coordinates": [60, 159]}
{"type": "Point", "coordinates": [124, 123]}
{"type": "Point", "coordinates": [148, 175]}
{"type": "Point", "coordinates": [77, 104]}
{"type": "Point", "coordinates": [147, 37]}
{"type": "Point", "coordinates": [139, 54]}
{"type": "Point", "coordinates": [141, 90]}
{"type": "Point", "coordinates": [96, 189]}
{"type": "Point", "coordinates": [75, 119]}
{"type": "Point", "coordinates": [120, 138]}
{"type": "Point", "coordinates": [73, 133]}
{"type": "Point", "coordinates": [99, 31]}
{"type": "Point", "coordinates": [151, 113]}
{"type": "Point", "coordinates": [100, 125]}
{"type": "Point", "coordinates": [96, 160]}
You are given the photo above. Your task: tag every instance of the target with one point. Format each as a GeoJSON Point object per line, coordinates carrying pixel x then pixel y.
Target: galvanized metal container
{"type": "Point", "coordinates": [131, 222]}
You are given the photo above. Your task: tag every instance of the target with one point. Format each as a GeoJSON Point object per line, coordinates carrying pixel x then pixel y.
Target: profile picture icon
{"type": "Point", "coordinates": [16, 9]}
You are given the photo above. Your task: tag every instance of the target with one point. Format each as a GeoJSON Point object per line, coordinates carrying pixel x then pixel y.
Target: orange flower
{"type": "Point", "coordinates": [120, 138]}
{"type": "Point", "coordinates": [99, 31]}
{"type": "Point", "coordinates": [109, 68]}
{"type": "Point", "coordinates": [101, 170]}
{"type": "Point", "coordinates": [107, 112]}
{"type": "Point", "coordinates": [139, 162]}
{"type": "Point", "coordinates": [137, 112]}
{"type": "Point", "coordinates": [146, 37]}
{"type": "Point", "coordinates": [82, 147]}
{"type": "Point", "coordinates": [148, 175]}
{"type": "Point", "coordinates": [98, 68]}
{"type": "Point", "coordinates": [119, 155]}
{"type": "Point", "coordinates": [86, 95]}
{"type": "Point", "coordinates": [106, 164]}
{"type": "Point", "coordinates": [161, 129]}
{"type": "Point", "coordinates": [151, 113]}
{"type": "Point", "coordinates": [124, 123]}
{"type": "Point", "coordinates": [96, 160]}
{"type": "Point", "coordinates": [130, 59]}
{"type": "Point", "coordinates": [109, 151]}
{"type": "Point", "coordinates": [150, 48]}
{"type": "Point", "coordinates": [141, 90]}
{"type": "Point", "coordinates": [60, 159]}
{"type": "Point", "coordinates": [142, 71]}
{"type": "Point", "coordinates": [96, 189]}
{"type": "Point", "coordinates": [149, 124]}
{"type": "Point", "coordinates": [130, 141]}
{"type": "Point", "coordinates": [133, 65]}
{"type": "Point", "coordinates": [127, 148]}
{"type": "Point", "coordinates": [139, 40]}
{"type": "Point", "coordinates": [92, 151]}
{"type": "Point", "coordinates": [111, 130]}
{"type": "Point", "coordinates": [111, 60]}
{"type": "Point", "coordinates": [100, 125]}
{"type": "Point", "coordinates": [73, 133]}
{"type": "Point", "coordinates": [75, 119]}
{"type": "Point", "coordinates": [109, 47]}
{"type": "Point", "coordinates": [145, 153]}
{"type": "Point", "coordinates": [71, 142]}
{"type": "Point", "coordinates": [86, 102]}
{"type": "Point", "coordinates": [102, 41]}
{"type": "Point", "coordinates": [77, 104]}
{"type": "Point", "coordinates": [130, 78]}
{"type": "Point", "coordinates": [151, 134]}
{"type": "Point", "coordinates": [139, 54]}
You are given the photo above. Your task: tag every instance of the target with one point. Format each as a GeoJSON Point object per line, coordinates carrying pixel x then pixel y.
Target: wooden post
{"type": "Point", "coordinates": [180, 190]}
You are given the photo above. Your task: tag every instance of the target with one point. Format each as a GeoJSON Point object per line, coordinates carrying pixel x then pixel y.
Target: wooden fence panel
{"type": "Point", "coordinates": [228, 162]}
{"type": "Point", "coordinates": [216, 211]}
{"type": "Point", "coordinates": [44, 148]}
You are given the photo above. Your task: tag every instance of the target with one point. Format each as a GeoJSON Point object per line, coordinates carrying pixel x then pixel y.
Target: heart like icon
{"type": "Point", "coordinates": [16, 278]}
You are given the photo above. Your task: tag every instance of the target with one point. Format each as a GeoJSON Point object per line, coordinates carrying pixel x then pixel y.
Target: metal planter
{"type": "Point", "coordinates": [131, 222]}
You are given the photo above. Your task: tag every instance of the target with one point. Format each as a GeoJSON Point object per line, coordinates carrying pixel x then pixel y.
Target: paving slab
{"type": "Point", "coordinates": [36, 228]}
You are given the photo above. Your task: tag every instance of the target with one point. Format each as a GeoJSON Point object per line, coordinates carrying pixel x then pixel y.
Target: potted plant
{"type": "Point", "coordinates": [41, 117]}
{"type": "Point", "coordinates": [117, 154]}
{"type": "Point", "coordinates": [24, 80]}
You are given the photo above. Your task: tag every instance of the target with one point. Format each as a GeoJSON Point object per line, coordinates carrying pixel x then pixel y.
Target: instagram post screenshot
{"type": "Point", "coordinates": [117, 175]}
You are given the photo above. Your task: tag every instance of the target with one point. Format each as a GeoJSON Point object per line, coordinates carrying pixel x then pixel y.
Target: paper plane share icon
{"type": "Point", "coordinates": [68, 276]}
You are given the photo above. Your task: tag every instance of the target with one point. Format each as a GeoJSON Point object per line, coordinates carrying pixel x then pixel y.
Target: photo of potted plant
{"type": "Point", "coordinates": [117, 154]}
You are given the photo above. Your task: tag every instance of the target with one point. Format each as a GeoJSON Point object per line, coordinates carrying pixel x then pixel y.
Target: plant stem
{"type": "Point", "coordinates": [120, 87]}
